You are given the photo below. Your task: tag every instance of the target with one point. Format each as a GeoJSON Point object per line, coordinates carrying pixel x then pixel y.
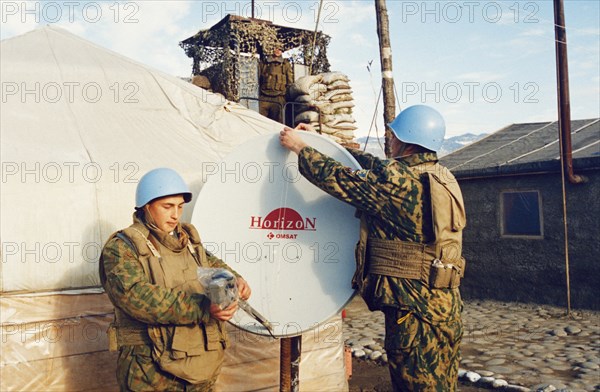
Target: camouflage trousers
{"type": "Point", "coordinates": [422, 356]}
{"type": "Point", "coordinates": [272, 107]}
{"type": "Point", "coordinates": [136, 371]}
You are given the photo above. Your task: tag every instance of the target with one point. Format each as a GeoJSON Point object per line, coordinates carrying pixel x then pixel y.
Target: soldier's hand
{"type": "Point", "coordinates": [223, 314]}
{"type": "Point", "coordinates": [304, 127]}
{"type": "Point", "coordinates": [243, 289]}
{"type": "Point", "coordinates": [291, 140]}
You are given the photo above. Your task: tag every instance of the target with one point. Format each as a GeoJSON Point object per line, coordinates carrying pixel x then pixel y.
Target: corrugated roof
{"type": "Point", "coordinates": [529, 145]}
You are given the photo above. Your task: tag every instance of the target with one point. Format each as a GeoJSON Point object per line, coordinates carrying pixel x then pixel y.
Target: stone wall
{"type": "Point", "coordinates": [533, 270]}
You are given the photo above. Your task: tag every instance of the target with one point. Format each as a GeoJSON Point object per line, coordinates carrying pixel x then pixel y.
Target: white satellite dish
{"type": "Point", "coordinates": [292, 242]}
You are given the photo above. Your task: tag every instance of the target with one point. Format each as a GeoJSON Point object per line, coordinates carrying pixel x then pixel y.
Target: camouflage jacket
{"type": "Point", "coordinates": [130, 289]}
{"type": "Point", "coordinates": [391, 195]}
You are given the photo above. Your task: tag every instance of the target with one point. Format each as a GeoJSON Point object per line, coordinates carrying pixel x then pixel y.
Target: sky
{"type": "Point", "coordinates": [483, 64]}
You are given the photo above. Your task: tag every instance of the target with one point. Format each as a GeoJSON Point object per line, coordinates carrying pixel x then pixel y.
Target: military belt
{"type": "Point", "coordinates": [409, 260]}
{"type": "Point", "coordinates": [394, 258]}
{"type": "Point", "coordinates": [127, 336]}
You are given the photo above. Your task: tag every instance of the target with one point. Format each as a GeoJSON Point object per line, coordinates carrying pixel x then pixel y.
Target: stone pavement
{"type": "Point", "coordinates": [508, 346]}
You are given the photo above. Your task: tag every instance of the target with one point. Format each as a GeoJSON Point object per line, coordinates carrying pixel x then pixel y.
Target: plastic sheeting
{"type": "Point", "coordinates": [55, 343]}
{"type": "Point", "coordinates": [252, 362]}
{"type": "Point", "coordinates": [58, 343]}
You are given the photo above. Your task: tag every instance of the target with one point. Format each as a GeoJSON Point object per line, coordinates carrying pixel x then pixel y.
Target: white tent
{"type": "Point", "coordinates": [79, 126]}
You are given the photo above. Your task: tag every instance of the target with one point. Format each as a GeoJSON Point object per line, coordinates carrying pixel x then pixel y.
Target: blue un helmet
{"type": "Point", "coordinates": [159, 183]}
{"type": "Point", "coordinates": [421, 125]}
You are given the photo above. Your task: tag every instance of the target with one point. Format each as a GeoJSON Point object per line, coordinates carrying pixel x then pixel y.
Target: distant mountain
{"type": "Point", "coordinates": [450, 144]}
{"type": "Point", "coordinates": [457, 142]}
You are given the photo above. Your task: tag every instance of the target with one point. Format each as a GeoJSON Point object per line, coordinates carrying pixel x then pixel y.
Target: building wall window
{"type": "Point", "coordinates": [521, 214]}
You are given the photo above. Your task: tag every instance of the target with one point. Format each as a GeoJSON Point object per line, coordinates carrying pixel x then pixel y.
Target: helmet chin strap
{"type": "Point", "coordinates": [148, 215]}
{"type": "Point", "coordinates": [398, 148]}
{"type": "Point", "coordinates": [401, 150]}
{"type": "Point", "coordinates": [406, 149]}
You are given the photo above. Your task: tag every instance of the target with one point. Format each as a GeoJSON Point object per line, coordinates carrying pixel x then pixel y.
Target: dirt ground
{"type": "Point", "coordinates": [371, 377]}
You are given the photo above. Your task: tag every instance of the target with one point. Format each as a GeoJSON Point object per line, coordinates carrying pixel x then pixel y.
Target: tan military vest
{"type": "Point", "coordinates": [438, 264]}
{"type": "Point", "coordinates": [191, 352]}
{"type": "Point", "coordinates": [273, 78]}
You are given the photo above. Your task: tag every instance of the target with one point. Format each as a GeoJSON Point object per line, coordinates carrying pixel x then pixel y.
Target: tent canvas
{"type": "Point", "coordinates": [79, 125]}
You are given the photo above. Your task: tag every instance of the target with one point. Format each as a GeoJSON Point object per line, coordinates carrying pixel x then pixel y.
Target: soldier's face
{"type": "Point", "coordinates": [166, 212]}
{"type": "Point", "coordinates": [277, 52]}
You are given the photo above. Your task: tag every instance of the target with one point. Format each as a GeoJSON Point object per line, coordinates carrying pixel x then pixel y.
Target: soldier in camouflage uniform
{"type": "Point", "coordinates": [149, 273]}
{"type": "Point", "coordinates": [275, 76]}
{"type": "Point", "coordinates": [402, 268]}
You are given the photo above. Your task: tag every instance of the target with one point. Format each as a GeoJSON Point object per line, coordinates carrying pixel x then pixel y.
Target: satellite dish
{"type": "Point", "coordinates": [292, 242]}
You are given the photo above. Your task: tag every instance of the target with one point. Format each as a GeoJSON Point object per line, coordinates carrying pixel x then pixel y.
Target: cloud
{"type": "Point", "coordinates": [593, 32]}
{"type": "Point", "coordinates": [15, 21]}
{"type": "Point", "coordinates": [358, 39]}
{"type": "Point", "coordinates": [336, 14]}
{"type": "Point", "coordinates": [482, 51]}
{"type": "Point", "coordinates": [534, 32]}
{"type": "Point", "coordinates": [147, 31]}
{"type": "Point", "coordinates": [137, 34]}
{"type": "Point", "coordinates": [481, 76]}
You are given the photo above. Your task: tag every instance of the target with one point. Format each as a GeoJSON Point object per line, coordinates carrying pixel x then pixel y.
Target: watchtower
{"type": "Point", "coordinates": [228, 53]}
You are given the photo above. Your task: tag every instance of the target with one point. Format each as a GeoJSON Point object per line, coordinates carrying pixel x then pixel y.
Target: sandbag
{"type": "Point", "coordinates": [332, 93]}
{"type": "Point", "coordinates": [341, 98]}
{"type": "Point", "coordinates": [345, 126]}
{"type": "Point", "coordinates": [333, 119]}
{"type": "Point", "coordinates": [338, 84]}
{"type": "Point", "coordinates": [331, 108]}
{"type": "Point", "coordinates": [344, 134]}
{"type": "Point", "coordinates": [331, 77]}
{"type": "Point", "coordinates": [326, 105]}
{"type": "Point", "coordinates": [343, 111]}
{"type": "Point", "coordinates": [304, 86]}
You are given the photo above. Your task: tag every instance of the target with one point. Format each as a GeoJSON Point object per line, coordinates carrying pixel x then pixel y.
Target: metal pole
{"type": "Point", "coordinates": [564, 100]}
{"type": "Point", "coordinates": [285, 355]}
{"type": "Point", "coordinates": [385, 54]}
{"type": "Point", "coordinates": [289, 364]}
{"type": "Point", "coordinates": [252, 6]}
{"type": "Point", "coordinates": [296, 343]}
{"type": "Point", "coordinates": [564, 126]}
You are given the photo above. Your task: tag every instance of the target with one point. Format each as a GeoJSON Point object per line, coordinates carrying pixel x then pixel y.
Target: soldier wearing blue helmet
{"type": "Point", "coordinates": [409, 257]}
{"type": "Point", "coordinates": [170, 337]}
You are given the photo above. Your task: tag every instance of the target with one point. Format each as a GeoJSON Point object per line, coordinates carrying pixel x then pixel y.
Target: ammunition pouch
{"type": "Point", "coordinates": [273, 79]}
{"type": "Point", "coordinates": [192, 352]}
{"type": "Point", "coordinates": [445, 275]}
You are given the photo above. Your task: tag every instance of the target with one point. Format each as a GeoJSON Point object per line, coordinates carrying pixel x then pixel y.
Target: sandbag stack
{"type": "Point", "coordinates": [325, 102]}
